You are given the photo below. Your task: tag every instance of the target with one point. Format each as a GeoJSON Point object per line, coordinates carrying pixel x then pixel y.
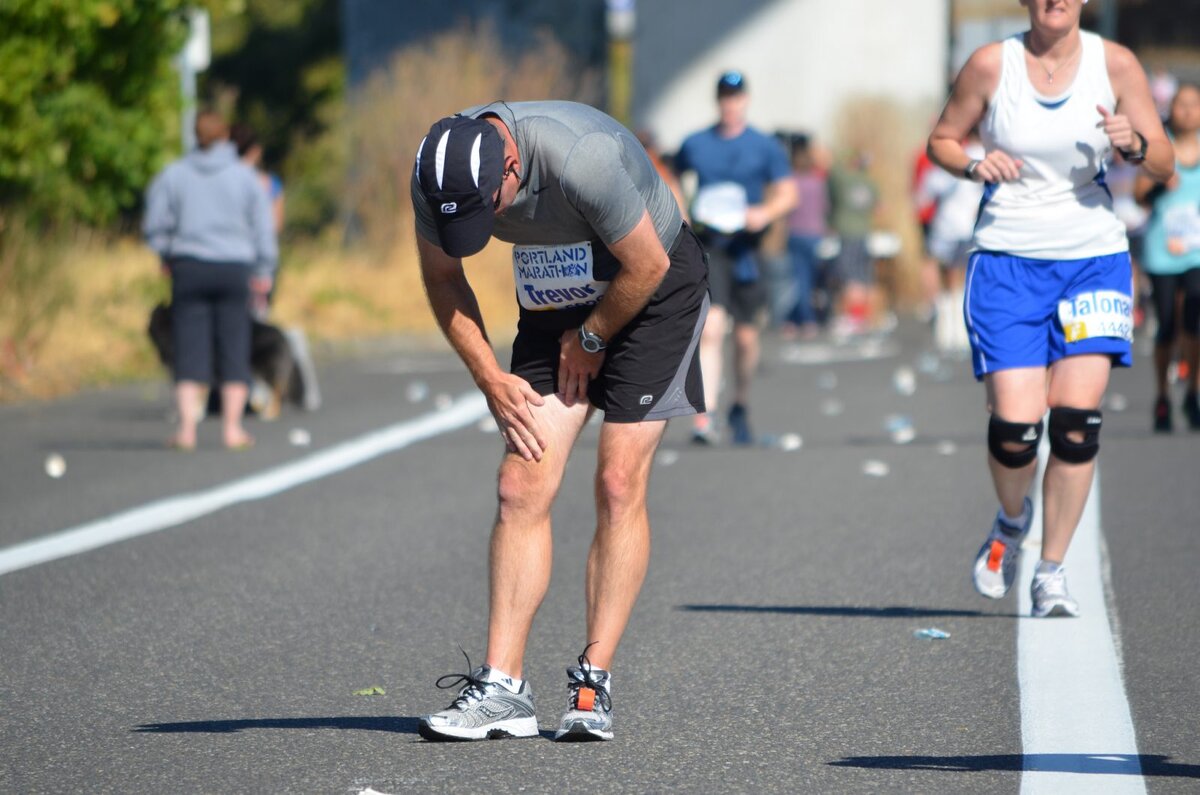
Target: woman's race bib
{"type": "Point", "coordinates": [1098, 313]}
{"type": "Point", "coordinates": [557, 277]}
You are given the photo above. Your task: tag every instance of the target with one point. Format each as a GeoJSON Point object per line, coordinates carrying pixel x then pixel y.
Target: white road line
{"type": "Point", "coordinates": [1076, 727]}
{"type": "Point", "coordinates": [173, 511]}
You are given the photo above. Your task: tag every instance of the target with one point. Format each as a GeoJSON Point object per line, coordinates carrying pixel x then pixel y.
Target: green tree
{"type": "Point", "coordinates": [277, 65]}
{"type": "Point", "coordinates": [89, 103]}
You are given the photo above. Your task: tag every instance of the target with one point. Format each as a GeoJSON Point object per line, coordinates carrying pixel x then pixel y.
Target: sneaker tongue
{"type": "Point", "coordinates": [492, 676]}
{"type": "Point", "coordinates": [596, 676]}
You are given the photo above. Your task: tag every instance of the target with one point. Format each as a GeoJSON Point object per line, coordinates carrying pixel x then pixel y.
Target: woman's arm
{"type": "Point", "coordinates": [964, 110]}
{"type": "Point", "coordinates": [1135, 115]}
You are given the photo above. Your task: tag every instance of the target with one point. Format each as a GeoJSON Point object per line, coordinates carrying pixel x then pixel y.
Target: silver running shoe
{"type": "Point", "coordinates": [484, 709]}
{"type": "Point", "coordinates": [996, 564]}
{"type": "Point", "coordinates": [1049, 595]}
{"type": "Point", "coordinates": [589, 704]}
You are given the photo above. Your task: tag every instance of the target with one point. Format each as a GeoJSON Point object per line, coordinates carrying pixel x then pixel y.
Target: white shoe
{"type": "Point", "coordinates": [996, 562]}
{"type": "Point", "coordinates": [589, 704]}
{"type": "Point", "coordinates": [1050, 597]}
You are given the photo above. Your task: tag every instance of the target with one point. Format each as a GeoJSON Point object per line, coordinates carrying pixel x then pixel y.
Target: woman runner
{"type": "Point", "coordinates": [1171, 257]}
{"type": "Point", "coordinates": [1047, 302]}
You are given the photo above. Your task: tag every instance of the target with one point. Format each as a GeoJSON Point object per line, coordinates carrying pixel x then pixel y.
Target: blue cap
{"type": "Point", "coordinates": [731, 83]}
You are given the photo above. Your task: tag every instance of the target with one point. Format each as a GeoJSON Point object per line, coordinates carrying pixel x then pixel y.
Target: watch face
{"type": "Point", "coordinates": [590, 345]}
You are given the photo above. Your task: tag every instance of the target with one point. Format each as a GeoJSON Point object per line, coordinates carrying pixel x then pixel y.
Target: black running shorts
{"type": "Point", "coordinates": [745, 301]}
{"type": "Point", "coordinates": [651, 367]}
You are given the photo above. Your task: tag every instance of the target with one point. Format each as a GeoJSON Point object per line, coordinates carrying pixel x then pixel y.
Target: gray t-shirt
{"type": "Point", "coordinates": [584, 177]}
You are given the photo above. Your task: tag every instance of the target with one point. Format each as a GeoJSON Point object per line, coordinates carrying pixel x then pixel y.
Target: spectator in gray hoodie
{"type": "Point", "coordinates": [209, 218]}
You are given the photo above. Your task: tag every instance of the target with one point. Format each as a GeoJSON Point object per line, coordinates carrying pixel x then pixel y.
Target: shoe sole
{"type": "Point", "coordinates": [1057, 611]}
{"type": "Point", "coordinates": [516, 728]}
{"type": "Point", "coordinates": [579, 732]}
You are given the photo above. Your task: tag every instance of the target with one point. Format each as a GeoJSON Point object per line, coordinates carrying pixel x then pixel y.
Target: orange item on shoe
{"type": "Point", "coordinates": [995, 556]}
{"type": "Point", "coordinates": [586, 699]}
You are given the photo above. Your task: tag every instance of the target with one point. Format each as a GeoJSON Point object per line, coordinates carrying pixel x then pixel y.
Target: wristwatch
{"type": "Point", "coordinates": [591, 343]}
{"type": "Point", "coordinates": [1140, 156]}
{"type": "Point", "coordinates": [969, 171]}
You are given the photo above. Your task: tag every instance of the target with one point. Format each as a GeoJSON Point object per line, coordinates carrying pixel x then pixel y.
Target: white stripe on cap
{"type": "Point", "coordinates": [475, 159]}
{"type": "Point", "coordinates": [420, 149]}
{"type": "Point", "coordinates": [440, 159]}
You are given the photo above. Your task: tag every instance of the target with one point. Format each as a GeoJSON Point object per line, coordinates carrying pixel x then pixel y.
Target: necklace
{"type": "Point", "coordinates": [1050, 72]}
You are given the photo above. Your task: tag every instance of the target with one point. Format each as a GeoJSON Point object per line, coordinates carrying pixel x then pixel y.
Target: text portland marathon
{"type": "Point", "coordinates": [554, 263]}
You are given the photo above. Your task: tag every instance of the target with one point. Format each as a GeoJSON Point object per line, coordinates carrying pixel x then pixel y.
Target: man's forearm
{"type": "Point", "coordinates": [628, 293]}
{"type": "Point", "coordinates": [457, 312]}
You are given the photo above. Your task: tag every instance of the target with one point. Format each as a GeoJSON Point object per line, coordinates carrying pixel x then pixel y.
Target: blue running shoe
{"type": "Point", "coordinates": [739, 425]}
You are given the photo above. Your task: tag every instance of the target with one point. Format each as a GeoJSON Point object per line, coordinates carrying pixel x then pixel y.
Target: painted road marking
{"type": "Point", "coordinates": [173, 511]}
{"type": "Point", "coordinates": [1076, 728]}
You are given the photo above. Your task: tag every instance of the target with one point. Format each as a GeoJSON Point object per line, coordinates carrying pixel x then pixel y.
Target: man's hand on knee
{"type": "Point", "coordinates": [509, 397]}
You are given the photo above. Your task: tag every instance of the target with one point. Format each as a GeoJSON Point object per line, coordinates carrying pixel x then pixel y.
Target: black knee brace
{"type": "Point", "coordinates": [1001, 432]}
{"type": "Point", "coordinates": [1065, 420]}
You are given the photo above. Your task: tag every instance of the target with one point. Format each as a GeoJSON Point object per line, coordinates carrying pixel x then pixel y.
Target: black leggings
{"type": "Point", "coordinates": [1165, 289]}
{"type": "Point", "coordinates": [210, 308]}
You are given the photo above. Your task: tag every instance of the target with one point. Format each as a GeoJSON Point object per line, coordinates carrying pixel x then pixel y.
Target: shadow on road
{"type": "Point", "coordinates": [1102, 764]}
{"type": "Point", "coordinates": [846, 611]}
{"type": "Point", "coordinates": [358, 723]}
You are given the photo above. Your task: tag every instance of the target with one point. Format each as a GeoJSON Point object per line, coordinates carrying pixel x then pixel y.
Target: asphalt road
{"type": "Point", "coordinates": [772, 648]}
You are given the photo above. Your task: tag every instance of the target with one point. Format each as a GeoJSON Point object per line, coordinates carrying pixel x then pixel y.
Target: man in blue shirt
{"type": "Point", "coordinates": [743, 185]}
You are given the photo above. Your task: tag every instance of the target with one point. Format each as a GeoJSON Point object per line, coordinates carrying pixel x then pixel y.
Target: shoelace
{"type": "Point", "coordinates": [474, 689]}
{"type": "Point", "coordinates": [588, 681]}
{"type": "Point", "coordinates": [1052, 584]}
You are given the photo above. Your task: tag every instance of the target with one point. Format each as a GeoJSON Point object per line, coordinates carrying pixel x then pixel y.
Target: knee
{"type": "Point", "coordinates": [1013, 444]}
{"type": "Point", "coordinates": [619, 488]}
{"type": "Point", "coordinates": [1075, 434]}
{"type": "Point", "coordinates": [518, 492]}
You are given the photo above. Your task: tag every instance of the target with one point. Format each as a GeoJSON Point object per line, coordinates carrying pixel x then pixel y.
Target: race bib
{"type": "Point", "coordinates": [721, 207]}
{"type": "Point", "coordinates": [1182, 225]}
{"type": "Point", "coordinates": [556, 277]}
{"type": "Point", "coordinates": [1100, 313]}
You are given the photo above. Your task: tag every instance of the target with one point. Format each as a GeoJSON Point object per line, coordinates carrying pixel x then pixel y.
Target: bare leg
{"type": "Point", "coordinates": [1076, 382]}
{"type": "Point", "coordinates": [189, 402]}
{"type": "Point", "coordinates": [233, 405]}
{"type": "Point", "coordinates": [746, 354]}
{"type": "Point", "coordinates": [621, 549]}
{"type": "Point", "coordinates": [712, 343]}
{"type": "Point", "coordinates": [521, 542]}
{"type": "Point", "coordinates": [1017, 395]}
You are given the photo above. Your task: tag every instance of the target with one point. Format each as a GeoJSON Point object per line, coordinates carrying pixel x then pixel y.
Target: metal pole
{"type": "Point", "coordinates": [620, 20]}
{"type": "Point", "coordinates": [187, 90]}
{"type": "Point", "coordinates": [1108, 19]}
{"type": "Point", "coordinates": [194, 58]}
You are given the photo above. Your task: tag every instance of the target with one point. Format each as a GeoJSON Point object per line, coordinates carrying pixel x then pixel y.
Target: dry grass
{"type": "Point", "coordinates": [393, 111]}
{"type": "Point", "coordinates": [86, 324]}
{"type": "Point", "coordinates": [338, 296]}
{"type": "Point", "coordinates": [100, 334]}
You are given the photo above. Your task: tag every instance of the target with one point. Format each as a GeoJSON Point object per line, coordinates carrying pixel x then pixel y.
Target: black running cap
{"type": "Point", "coordinates": [460, 165]}
{"type": "Point", "coordinates": [731, 83]}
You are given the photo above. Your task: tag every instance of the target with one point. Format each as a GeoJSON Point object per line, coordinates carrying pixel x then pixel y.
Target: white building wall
{"type": "Point", "coordinates": [801, 58]}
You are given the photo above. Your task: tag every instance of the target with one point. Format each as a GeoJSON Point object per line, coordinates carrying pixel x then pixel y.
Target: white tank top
{"type": "Point", "coordinates": [1060, 208]}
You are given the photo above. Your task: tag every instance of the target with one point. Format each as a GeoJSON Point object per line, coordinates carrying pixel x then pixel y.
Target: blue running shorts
{"type": "Point", "coordinates": [1023, 312]}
